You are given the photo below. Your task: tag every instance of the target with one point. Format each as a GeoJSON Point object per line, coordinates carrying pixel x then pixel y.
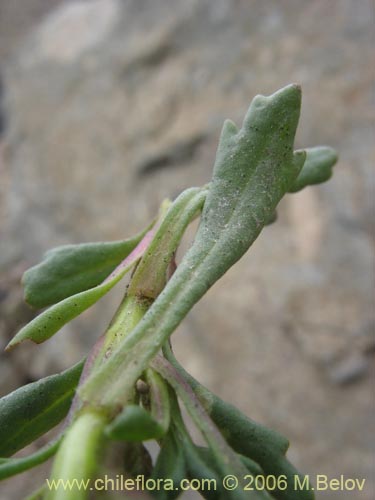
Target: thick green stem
{"type": "Point", "coordinates": [77, 459]}
{"type": "Point", "coordinates": [129, 313]}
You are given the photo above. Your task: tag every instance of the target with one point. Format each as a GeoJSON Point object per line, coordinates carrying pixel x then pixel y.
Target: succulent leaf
{"type": "Point", "coordinates": [317, 167]}
{"type": "Point", "coordinates": [255, 166]}
{"type": "Point", "coordinates": [70, 269]}
{"type": "Point", "coordinates": [32, 410]}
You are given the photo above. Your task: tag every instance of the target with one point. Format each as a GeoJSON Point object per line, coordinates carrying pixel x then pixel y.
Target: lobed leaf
{"type": "Point", "coordinates": [317, 167]}
{"type": "Point", "coordinates": [264, 446]}
{"type": "Point", "coordinates": [35, 408]}
{"type": "Point", "coordinates": [255, 166]}
{"type": "Point", "coordinates": [70, 269]}
{"type": "Point", "coordinates": [258, 443]}
{"type": "Point", "coordinates": [226, 460]}
{"type": "Point", "coordinates": [201, 465]}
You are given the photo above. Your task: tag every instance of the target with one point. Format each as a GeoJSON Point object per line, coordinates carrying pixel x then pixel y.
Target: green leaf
{"type": "Point", "coordinates": [255, 166]}
{"type": "Point", "coordinates": [227, 462]}
{"type": "Point", "coordinates": [251, 466]}
{"type": "Point", "coordinates": [35, 408]}
{"type": "Point", "coordinates": [70, 269]}
{"type": "Point", "coordinates": [159, 399]}
{"type": "Point", "coordinates": [13, 466]}
{"type": "Point", "coordinates": [200, 464]}
{"type": "Point", "coordinates": [171, 467]}
{"type": "Point", "coordinates": [272, 219]}
{"type": "Point", "coordinates": [134, 424]}
{"type": "Point", "coordinates": [264, 446]}
{"type": "Point", "coordinates": [317, 167]}
{"type": "Point", "coordinates": [53, 319]}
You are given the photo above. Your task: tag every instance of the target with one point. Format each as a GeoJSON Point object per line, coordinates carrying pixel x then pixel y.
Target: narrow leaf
{"type": "Point", "coordinates": [159, 399]}
{"type": "Point", "coordinates": [228, 462]}
{"type": "Point", "coordinates": [171, 467]}
{"type": "Point", "coordinates": [35, 408]}
{"type": "Point", "coordinates": [70, 269]}
{"type": "Point", "coordinates": [255, 166]}
{"type": "Point", "coordinates": [200, 465]}
{"type": "Point", "coordinates": [13, 466]}
{"type": "Point", "coordinates": [53, 319]}
{"type": "Point", "coordinates": [317, 167]}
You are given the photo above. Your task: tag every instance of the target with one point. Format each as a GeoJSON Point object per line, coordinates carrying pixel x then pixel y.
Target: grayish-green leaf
{"type": "Point", "coordinates": [53, 319]}
{"type": "Point", "coordinates": [264, 446]}
{"type": "Point", "coordinates": [171, 467]}
{"type": "Point", "coordinates": [200, 462]}
{"type": "Point", "coordinates": [317, 167]}
{"type": "Point", "coordinates": [251, 439]}
{"type": "Point", "coordinates": [255, 166]}
{"type": "Point", "coordinates": [226, 460]}
{"type": "Point", "coordinates": [70, 269]}
{"type": "Point", "coordinates": [201, 465]}
{"type": "Point", "coordinates": [35, 408]}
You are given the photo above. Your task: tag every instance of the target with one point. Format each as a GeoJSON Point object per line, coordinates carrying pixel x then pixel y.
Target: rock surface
{"type": "Point", "coordinates": [112, 106]}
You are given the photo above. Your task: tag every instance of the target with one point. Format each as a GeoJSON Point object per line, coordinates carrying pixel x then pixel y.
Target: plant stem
{"type": "Point", "coordinates": [77, 458]}
{"type": "Point", "coordinates": [128, 315]}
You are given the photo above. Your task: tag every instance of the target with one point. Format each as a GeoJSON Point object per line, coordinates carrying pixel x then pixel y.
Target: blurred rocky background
{"type": "Point", "coordinates": [108, 106]}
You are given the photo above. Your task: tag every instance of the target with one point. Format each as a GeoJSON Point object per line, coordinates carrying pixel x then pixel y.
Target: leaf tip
{"type": "Point", "coordinates": [11, 345]}
{"type": "Point", "coordinates": [331, 155]}
{"type": "Point", "coordinates": [292, 94]}
{"type": "Point", "coordinates": [18, 339]}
